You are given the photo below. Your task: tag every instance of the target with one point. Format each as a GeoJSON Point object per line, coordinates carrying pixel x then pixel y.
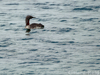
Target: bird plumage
{"type": "Point", "coordinates": [36, 26]}
{"type": "Point", "coordinates": [33, 25]}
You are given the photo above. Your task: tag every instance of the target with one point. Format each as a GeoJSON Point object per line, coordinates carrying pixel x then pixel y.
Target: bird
{"type": "Point", "coordinates": [33, 25]}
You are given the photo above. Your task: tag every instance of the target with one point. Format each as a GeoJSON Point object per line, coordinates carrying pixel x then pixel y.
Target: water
{"type": "Point", "coordinates": [68, 45]}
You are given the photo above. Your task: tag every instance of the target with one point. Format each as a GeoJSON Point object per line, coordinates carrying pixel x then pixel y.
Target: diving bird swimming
{"type": "Point", "coordinates": [33, 25]}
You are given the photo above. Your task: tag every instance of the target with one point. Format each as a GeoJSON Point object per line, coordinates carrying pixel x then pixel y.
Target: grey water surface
{"type": "Point", "coordinates": [68, 45]}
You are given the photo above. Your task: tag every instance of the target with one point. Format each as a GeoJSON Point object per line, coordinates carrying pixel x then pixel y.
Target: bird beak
{"type": "Point", "coordinates": [33, 17]}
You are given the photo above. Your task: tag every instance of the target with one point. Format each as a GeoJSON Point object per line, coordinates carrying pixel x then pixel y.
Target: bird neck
{"type": "Point", "coordinates": [27, 22]}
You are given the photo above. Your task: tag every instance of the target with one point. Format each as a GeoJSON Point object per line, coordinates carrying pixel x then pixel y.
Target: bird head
{"type": "Point", "coordinates": [28, 17]}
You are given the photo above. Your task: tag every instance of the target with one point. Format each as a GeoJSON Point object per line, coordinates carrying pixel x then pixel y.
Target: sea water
{"type": "Point", "coordinates": [69, 44]}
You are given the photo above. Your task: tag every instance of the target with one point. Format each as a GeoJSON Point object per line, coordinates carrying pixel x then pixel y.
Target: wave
{"type": "Point", "coordinates": [12, 4]}
{"type": "Point", "coordinates": [83, 8]}
{"type": "Point", "coordinates": [63, 30]}
{"type": "Point", "coordinates": [89, 19]}
{"type": "Point", "coordinates": [87, 8]}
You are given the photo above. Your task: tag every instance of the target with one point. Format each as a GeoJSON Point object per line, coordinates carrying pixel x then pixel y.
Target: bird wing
{"type": "Point", "coordinates": [36, 26]}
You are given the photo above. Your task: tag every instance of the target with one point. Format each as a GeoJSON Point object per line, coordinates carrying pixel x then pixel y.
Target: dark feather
{"type": "Point", "coordinates": [36, 25]}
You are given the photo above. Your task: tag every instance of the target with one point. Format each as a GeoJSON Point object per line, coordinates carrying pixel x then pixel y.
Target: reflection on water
{"type": "Point", "coordinates": [28, 34]}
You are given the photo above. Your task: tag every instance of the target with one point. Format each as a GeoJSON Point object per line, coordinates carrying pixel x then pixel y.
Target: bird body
{"type": "Point", "coordinates": [33, 25]}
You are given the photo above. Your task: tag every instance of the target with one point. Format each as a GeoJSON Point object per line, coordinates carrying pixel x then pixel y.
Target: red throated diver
{"type": "Point", "coordinates": [33, 25]}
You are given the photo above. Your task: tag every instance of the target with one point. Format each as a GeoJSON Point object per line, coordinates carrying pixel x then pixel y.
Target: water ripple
{"type": "Point", "coordinates": [39, 3]}
{"type": "Point", "coordinates": [33, 50]}
{"type": "Point", "coordinates": [97, 45]}
{"type": "Point", "coordinates": [3, 14]}
{"type": "Point", "coordinates": [46, 7]}
{"type": "Point", "coordinates": [54, 4]}
{"type": "Point", "coordinates": [6, 42]}
{"type": "Point", "coordinates": [83, 8]}
{"type": "Point", "coordinates": [90, 19]}
{"type": "Point", "coordinates": [12, 4]}
{"type": "Point", "coordinates": [27, 39]}
{"type": "Point", "coordinates": [2, 25]}
{"type": "Point", "coordinates": [49, 41]}
{"type": "Point", "coordinates": [63, 30]}
{"type": "Point", "coordinates": [1, 57]}
{"type": "Point", "coordinates": [63, 21]}
{"type": "Point", "coordinates": [28, 62]}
